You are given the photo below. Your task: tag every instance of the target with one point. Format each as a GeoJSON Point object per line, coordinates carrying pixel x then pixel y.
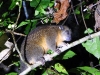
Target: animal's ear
{"type": "Point", "coordinates": [61, 27]}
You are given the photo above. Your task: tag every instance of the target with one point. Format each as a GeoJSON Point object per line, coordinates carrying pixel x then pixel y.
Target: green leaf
{"type": "Point", "coordinates": [34, 3]}
{"type": "Point", "coordinates": [12, 73]}
{"type": "Point", "coordinates": [49, 71]}
{"type": "Point", "coordinates": [10, 26]}
{"type": "Point", "coordinates": [1, 32]}
{"type": "Point", "coordinates": [1, 4]}
{"type": "Point", "coordinates": [5, 14]}
{"type": "Point", "coordinates": [68, 54]}
{"type": "Point", "coordinates": [46, 72]}
{"type": "Point", "coordinates": [30, 25]}
{"type": "Point", "coordinates": [41, 6]}
{"type": "Point", "coordinates": [41, 10]}
{"type": "Point", "coordinates": [51, 4]}
{"type": "Point", "coordinates": [60, 69]}
{"type": "Point", "coordinates": [36, 12]}
{"type": "Point", "coordinates": [93, 46]}
{"type": "Point", "coordinates": [88, 31]}
{"type": "Point", "coordinates": [23, 23]}
{"type": "Point", "coordinates": [44, 3]}
{"type": "Point", "coordinates": [49, 52]}
{"type": "Point", "coordinates": [34, 24]}
{"type": "Point", "coordinates": [87, 15]}
{"type": "Point", "coordinates": [77, 11]}
{"type": "Point", "coordinates": [27, 29]}
{"type": "Point", "coordinates": [13, 4]}
{"type": "Point", "coordinates": [16, 63]}
{"type": "Point", "coordinates": [5, 23]}
{"type": "Point", "coordinates": [90, 70]}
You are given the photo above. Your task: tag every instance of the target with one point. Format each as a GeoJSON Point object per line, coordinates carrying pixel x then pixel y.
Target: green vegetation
{"type": "Point", "coordinates": [11, 18]}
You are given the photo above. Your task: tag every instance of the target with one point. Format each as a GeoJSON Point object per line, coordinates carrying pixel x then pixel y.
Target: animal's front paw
{"type": "Point", "coordinates": [47, 57]}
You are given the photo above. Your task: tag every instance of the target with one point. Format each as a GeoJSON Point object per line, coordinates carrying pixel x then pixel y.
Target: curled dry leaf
{"type": "Point", "coordinates": [97, 18]}
{"type": "Point", "coordinates": [62, 7]}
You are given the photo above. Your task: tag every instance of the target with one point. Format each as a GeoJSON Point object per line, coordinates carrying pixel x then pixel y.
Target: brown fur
{"type": "Point", "coordinates": [41, 39]}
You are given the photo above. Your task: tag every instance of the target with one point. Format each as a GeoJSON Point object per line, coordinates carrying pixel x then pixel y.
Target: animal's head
{"type": "Point", "coordinates": [65, 33]}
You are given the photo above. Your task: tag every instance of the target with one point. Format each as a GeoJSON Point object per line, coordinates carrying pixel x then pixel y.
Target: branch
{"type": "Point", "coordinates": [15, 44]}
{"type": "Point", "coordinates": [62, 50]}
{"type": "Point", "coordinates": [72, 7]}
{"type": "Point", "coordinates": [90, 7]}
{"type": "Point", "coordinates": [83, 17]}
{"type": "Point", "coordinates": [19, 12]}
{"type": "Point", "coordinates": [15, 33]}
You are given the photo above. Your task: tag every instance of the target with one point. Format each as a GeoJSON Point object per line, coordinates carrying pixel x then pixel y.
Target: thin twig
{"type": "Point", "coordinates": [83, 18]}
{"type": "Point", "coordinates": [14, 37]}
{"type": "Point", "coordinates": [12, 32]}
{"type": "Point", "coordinates": [15, 32]}
{"type": "Point", "coordinates": [72, 7]}
{"type": "Point", "coordinates": [18, 49]}
{"type": "Point", "coordinates": [19, 11]}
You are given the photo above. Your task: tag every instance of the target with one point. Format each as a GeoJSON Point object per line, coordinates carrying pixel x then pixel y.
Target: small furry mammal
{"type": "Point", "coordinates": [41, 39]}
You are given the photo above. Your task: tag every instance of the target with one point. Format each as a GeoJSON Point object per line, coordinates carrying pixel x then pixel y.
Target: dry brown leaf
{"type": "Point", "coordinates": [62, 6]}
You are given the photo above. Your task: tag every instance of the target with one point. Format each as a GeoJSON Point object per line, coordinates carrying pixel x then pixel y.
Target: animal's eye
{"type": "Point", "coordinates": [67, 31]}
